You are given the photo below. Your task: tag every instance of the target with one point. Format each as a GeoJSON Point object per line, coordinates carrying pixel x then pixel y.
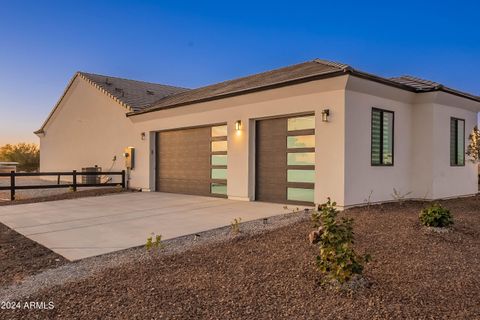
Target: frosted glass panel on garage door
{"type": "Point", "coordinates": [300, 194]}
{"type": "Point", "coordinates": [301, 159]}
{"type": "Point", "coordinates": [301, 141]}
{"type": "Point", "coordinates": [301, 123]}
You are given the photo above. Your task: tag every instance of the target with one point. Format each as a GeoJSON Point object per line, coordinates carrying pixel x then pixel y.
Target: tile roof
{"type": "Point", "coordinates": [260, 80]}
{"type": "Point", "coordinates": [306, 71]}
{"type": "Point", "coordinates": [417, 83]}
{"type": "Point", "coordinates": [137, 95]}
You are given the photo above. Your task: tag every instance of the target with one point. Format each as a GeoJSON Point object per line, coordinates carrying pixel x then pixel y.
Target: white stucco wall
{"type": "Point", "coordinates": [451, 181]}
{"type": "Point", "coordinates": [421, 145]}
{"type": "Point", "coordinates": [302, 98]}
{"type": "Point", "coordinates": [362, 180]}
{"type": "Point", "coordinates": [88, 129]}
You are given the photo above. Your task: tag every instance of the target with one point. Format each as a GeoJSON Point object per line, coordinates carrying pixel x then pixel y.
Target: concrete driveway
{"type": "Point", "coordinates": [85, 227]}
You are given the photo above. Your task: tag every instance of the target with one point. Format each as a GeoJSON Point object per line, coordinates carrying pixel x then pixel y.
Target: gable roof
{"type": "Point", "coordinates": [298, 73]}
{"type": "Point", "coordinates": [132, 94]}
{"type": "Point", "coordinates": [135, 95]}
{"type": "Point", "coordinates": [417, 83]}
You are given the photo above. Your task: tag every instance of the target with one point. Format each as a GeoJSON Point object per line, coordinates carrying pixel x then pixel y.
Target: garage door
{"type": "Point", "coordinates": [193, 161]}
{"type": "Point", "coordinates": [285, 160]}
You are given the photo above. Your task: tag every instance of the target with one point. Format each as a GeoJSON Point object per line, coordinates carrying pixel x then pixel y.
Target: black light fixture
{"type": "Point", "coordinates": [325, 115]}
{"type": "Point", "coordinates": [238, 125]}
{"type": "Point", "coordinates": [142, 135]}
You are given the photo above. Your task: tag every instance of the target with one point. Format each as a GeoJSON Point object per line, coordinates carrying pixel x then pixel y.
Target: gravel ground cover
{"type": "Point", "coordinates": [415, 274]}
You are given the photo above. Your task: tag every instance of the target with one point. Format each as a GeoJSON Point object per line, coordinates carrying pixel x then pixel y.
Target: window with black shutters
{"type": "Point", "coordinates": [382, 137]}
{"type": "Point", "coordinates": [457, 142]}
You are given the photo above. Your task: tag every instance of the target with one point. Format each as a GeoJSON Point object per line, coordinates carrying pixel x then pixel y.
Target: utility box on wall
{"type": "Point", "coordinates": [129, 155]}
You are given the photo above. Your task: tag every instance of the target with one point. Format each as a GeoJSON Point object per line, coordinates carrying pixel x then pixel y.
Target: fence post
{"type": "Point", "coordinates": [74, 180]}
{"type": "Point", "coordinates": [123, 179]}
{"type": "Point", "coordinates": [12, 185]}
{"type": "Point", "coordinates": [58, 179]}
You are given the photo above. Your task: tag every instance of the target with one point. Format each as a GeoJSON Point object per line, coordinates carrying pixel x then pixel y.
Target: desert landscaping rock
{"type": "Point", "coordinates": [270, 273]}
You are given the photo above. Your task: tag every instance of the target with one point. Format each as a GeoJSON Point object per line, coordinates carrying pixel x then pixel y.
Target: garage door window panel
{"type": "Point", "coordinates": [300, 194]}
{"type": "Point", "coordinates": [218, 160]}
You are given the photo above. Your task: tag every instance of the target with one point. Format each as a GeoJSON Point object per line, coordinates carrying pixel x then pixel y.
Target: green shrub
{"type": "Point", "coordinates": [157, 243]}
{"type": "Point", "coordinates": [315, 218]}
{"type": "Point", "coordinates": [436, 216]}
{"type": "Point", "coordinates": [337, 259]}
{"type": "Point", "coordinates": [235, 225]}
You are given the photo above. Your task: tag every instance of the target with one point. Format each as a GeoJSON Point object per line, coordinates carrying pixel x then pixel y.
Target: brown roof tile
{"type": "Point", "coordinates": [135, 94]}
{"type": "Point", "coordinates": [261, 80]}
{"type": "Point", "coordinates": [297, 73]}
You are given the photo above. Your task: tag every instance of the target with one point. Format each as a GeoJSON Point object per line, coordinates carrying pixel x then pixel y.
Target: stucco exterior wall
{"type": "Point", "coordinates": [451, 181]}
{"type": "Point", "coordinates": [364, 182]}
{"type": "Point", "coordinates": [421, 167]}
{"type": "Point", "coordinates": [88, 129]}
{"type": "Point", "coordinates": [311, 97]}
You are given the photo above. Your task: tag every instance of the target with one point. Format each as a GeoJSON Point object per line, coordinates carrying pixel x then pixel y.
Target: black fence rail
{"type": "Point", "coordinates": [74, 184]}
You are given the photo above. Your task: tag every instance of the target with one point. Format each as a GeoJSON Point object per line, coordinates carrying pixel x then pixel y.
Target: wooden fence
{"type": "Point", "coordinates": [74, 184]}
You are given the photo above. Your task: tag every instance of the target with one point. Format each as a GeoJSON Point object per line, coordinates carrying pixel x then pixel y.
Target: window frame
{"type": "Point", "coordinates": [382, 164]}
{"type": "Point", "coordinates": [456, 164]}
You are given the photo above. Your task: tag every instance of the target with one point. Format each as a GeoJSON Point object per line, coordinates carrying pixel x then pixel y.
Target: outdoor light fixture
{"type": "Point", "coordinates": [238, 125]}
{"type": "Point", "coordinates": [325, 115]}
{"type": "Point", "coordinates": [142, 135]}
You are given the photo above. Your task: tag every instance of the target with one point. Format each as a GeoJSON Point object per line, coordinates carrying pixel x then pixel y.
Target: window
{"type": "Point", "coordinates": [382, 137]}
{"type": "Point", "coordinates": [301, 158]}
{"type": "Point", "coordinates": [457, 142]}
{"type": "Point", "coordinates": [301, 141]}
{"type": "Point", "coordinates": [219, 131]}
{"type": "Point", "coordinates": [301, 123]}
{"type": "Point", "coordinates": [219, 146]}
{"type": "Point", "coordinates": [300, 194]}
{"type": "Point", "coordinates": [218, 161]}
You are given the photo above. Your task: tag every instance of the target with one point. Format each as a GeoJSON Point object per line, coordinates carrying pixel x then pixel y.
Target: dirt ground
{"type": "Point", "coordinates": [414, 274]}
{"type": "Point", "coordinates": [21, 257]}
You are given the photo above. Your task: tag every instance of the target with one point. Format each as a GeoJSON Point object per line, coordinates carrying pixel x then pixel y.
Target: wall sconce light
{"type": "Point", "coordinates": [142, 135]}
{"type": "Point", "coordinates": [238, 125]}
{"type": "Point", "coordinates": [325, 115]}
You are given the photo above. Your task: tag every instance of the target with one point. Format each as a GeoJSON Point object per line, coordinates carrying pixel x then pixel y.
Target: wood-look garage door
{"type": "Point", "coordinates": [192, 161]}
{"type": "Point", "coordinates": [285, 160]}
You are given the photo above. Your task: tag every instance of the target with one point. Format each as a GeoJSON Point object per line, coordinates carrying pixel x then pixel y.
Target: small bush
{"type": "Point", "coordinates": [235, 225]}
{"type": "Point", "coordinates": [436, 216]}
{"type": "Point", "coordinates": [337, 259]}
{"type": "Point", "coordinates": [157, 243]}
{"type": "Point", "coordinates": [315, 218]}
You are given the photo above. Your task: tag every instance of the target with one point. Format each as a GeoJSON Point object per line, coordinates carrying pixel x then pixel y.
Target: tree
{"type": "Point", "coordinates": [26, 154]}
{"type": "Point", "coordinates": [473, 149]}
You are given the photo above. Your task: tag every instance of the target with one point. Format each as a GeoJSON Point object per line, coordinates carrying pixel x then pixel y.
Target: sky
{"type": "Point", "coordinates": [195, 43]}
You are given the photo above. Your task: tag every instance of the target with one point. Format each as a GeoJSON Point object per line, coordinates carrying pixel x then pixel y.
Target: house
{"type": "Point", "coordinates": [7, 167]}
{"type": "Point", "coordinates": [297, 134]}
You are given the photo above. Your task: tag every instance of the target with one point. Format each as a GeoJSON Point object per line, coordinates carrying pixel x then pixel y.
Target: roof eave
{"type": "Point", "coordinates": [346, 70]}
{"type": "Point", "coordinates": [245, 91]}
{"type": "Point", "coordinates": [93, 83]}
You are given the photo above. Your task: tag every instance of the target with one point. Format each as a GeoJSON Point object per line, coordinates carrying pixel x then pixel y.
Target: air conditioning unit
{"type": "Point", "coordinates": [91, 179]}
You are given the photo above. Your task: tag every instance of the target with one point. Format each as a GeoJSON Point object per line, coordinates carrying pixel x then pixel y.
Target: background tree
{"type": "Point", "coordinates": [26, 154]}
{"type": "Point", "coordinates": [473, 149]}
